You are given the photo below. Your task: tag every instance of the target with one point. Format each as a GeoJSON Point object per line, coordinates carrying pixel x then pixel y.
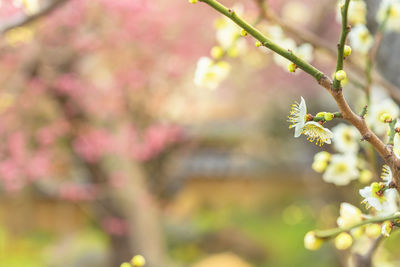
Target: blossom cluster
{"type": "Point", "coordinates": [211, 71]}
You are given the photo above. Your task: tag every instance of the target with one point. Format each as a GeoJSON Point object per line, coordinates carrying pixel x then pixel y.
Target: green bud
{"type": "Point", "coordinates": [312, 242]}
{"type": "Point", "coordinates": [193, 1]}
{"type": "Point", "coordinates": [329, 116]}
{"type": "Point", "coordinates": [243, 32]}
{"type": "Point", "coordinates": [138, 261]}
{"type": "Point", "coordinates": [347, 51]}
{"type": "Point", "coordinates": [320, 114]}
{"type": "Point", "coordinates": [373, 230]}
{"type": "Point", "coordinates": [343, 241]}
{"type": "Point", "coordinates": [292, 67]}
{"type": "Point", "coordinates": [340, 75]}
{"type": "Point", "coordinates": [258, 44]}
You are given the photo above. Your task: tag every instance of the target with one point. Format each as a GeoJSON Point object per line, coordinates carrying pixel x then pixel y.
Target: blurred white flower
{"type": "Point", "coordinates": [356, 14]}
{"type": "Point", "coordinates": [30, 6]}
{"type": "Point", "coordinates": [342, 169]}
{"type": "Point", "coordinates": [296, 12]}
{"type": "Point", "coordinates": [321, 160]}
{"type": "Point", "coordinates": [379, 107]}
{"type": "Point", "coordinates": [228, 34]}
{"type": "Point", "coordinates": [349, 215]}
{"type": "Point", "coordinates": [210, 74]}
{"type": "Point", "coordinates": [297, 117]}
{"type": "Point", "coordinates": [304, 51]}
{"type": "Point", "coordinates": [345, 138]}
{"type": "Point", "coordinates": [274, 32]}
{"type": "Point", "coordinates": [360, 39]}
{"type": "Point", "coordinates": [286, 43]}
{"type": "Point", "coordinates": [390, 10]}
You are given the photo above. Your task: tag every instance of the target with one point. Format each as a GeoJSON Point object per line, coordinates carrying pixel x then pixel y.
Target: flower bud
{"type": "Point", "coordinates": [312, 242]}
{"type": "Point", "coordinates": [243, 32]}
{"type": "Point", "coordinates": [319, 166]}
{"type": "Point", "coordinates": [193, 1]}
{"type": "Point", "coordinates": [320, 114]}
{"type": "Point", "coordinates": [125, 264]}
{"type": "Point", "coordinates": [343, 241]}
{"type": "Point", "coordinates": [347, 51]}
{"type": "Point", "coordinates": [357, 232]}
{"type": "Point", "coordinates": [292, 67]}
{"type": "Point", "coordinates": [217, 52]}
{"type": "Point", "coordinates": [321, 161]}
{"type": "Point", "coordinates": [373, 230]}
{"type": "Point", "coordinates": [329, 116]}
{"type": "Point", "coordinates": [340, 75]}
{"type": "Point", "coordinates": [387, 227]}
{"type": "Point", "coordinates": [258, 44]}
{"type": "Point", "coordinates": [138, 261]}
{"type": "Point", "coordinates": [385, 117]}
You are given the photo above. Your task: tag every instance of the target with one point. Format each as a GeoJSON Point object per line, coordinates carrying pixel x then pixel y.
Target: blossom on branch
{"type": "Point", "coordinates": [357, 12]}
{"type": "Point", "coordinates": [389, 10]}
{"type": "Point", "coordinates": [298, 117]}
{"type": "Point", "coordinates": [345, 138]}
{"type": "Point", "coordinates": [316, 132]}
{"type": "Point", "coordinates": [210, 74]}
{"type": "Point", "coordinates": [360, 39]}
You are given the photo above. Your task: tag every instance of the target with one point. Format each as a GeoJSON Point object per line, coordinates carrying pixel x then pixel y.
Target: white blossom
{"type": "Point", "coordinates": [349, 215]}
{"type": "Point", "coordinates": [377, 108]}
{"type": "Point", "coordinates": [342, 169]}
{"type": "Point", "coordinates": [316, 132]}
{"type": "Point", "coordinates": [376, 197]}
{"type": "Point", "coordinates": [298, 117]}
{"type": "Point", "coordinates": [209, 73]}
{"type": "Point", "coordinates": [356, 14]}
{"type": "Point", "coordinates": [360, 39]}
{"type": "Point", "coordinates": [345, 138]}
{"type": "Point", "coordinates": [389, 10]}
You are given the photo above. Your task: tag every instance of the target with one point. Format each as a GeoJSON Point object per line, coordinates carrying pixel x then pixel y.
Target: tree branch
{"type": "Point", "coordinates": [330, 233]}
{"type": "Point", "coordinates": [21, 20]}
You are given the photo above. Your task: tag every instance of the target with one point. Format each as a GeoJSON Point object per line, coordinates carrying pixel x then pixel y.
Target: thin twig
{"type": "Point", "coordinates": [330, 233]}
{"type": "Point", "coordinates": [342, 41]}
